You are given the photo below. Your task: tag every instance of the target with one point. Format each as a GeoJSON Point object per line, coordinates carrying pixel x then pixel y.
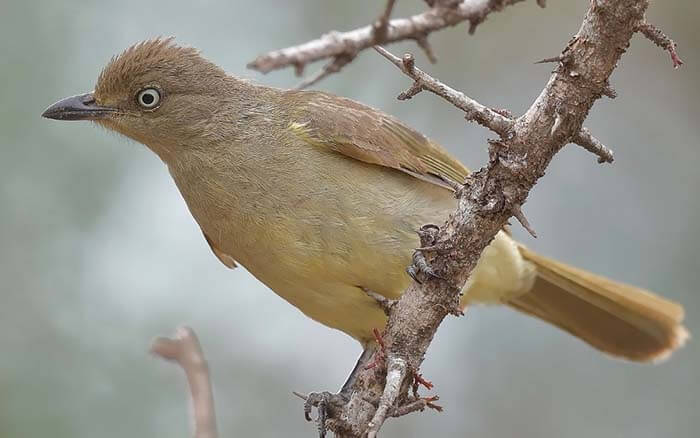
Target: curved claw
{"type": "Point", "coordinates": [307, 409]}
{"type": "Point", "coordinates": [321, 401]}
{"type": "Point", "coordinates": [420, 265]}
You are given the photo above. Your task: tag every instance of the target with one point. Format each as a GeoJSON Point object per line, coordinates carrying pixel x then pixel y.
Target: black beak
{"type": "Point", "coordinates": [81, 107]}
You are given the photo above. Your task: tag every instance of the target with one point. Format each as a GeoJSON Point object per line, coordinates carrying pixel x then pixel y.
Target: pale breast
{"type": "Point", "coordinates": [316, 227]}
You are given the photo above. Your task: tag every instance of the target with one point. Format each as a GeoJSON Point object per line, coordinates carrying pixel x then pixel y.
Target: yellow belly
{"type": "Point", "coordinates": [342, 227]}
{"type": "Point", "coordinates": [326, 296]}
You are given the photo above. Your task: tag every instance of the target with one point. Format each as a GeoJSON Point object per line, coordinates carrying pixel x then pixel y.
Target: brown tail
{"type": "Point", "coordinates": [616, 318]}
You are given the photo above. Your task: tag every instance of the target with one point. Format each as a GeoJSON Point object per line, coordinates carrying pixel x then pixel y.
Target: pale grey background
{"type": "Point", "coordinates": [99, 254]}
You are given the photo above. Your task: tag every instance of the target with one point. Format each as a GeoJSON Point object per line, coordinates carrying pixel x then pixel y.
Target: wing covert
{"type": "Point", "coordinates": [368, 135]}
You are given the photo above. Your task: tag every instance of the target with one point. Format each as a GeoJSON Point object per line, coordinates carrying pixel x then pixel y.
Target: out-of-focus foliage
{"type": "Point", "coordinates": [99, 254]}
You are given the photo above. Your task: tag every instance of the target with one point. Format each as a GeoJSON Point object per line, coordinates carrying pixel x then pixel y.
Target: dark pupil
{"type": "Point", "coordinates": [147, 98]}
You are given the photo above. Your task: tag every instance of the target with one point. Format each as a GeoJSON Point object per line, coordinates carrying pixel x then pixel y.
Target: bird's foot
{"type": "Point", "coordinates": [324, 402]}
{"type": "Point", "coordinates": [327, 403]}
{"type": "Point", "coordinates": [420, 266]}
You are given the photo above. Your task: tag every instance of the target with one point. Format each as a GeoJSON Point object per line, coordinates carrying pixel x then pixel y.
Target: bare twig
{"type": "Point", "coordinates": [497, 121]}
{"type": "Point", "coordinates": [592, 144]}
{"type": "Point", "coordinates": [300, 395]}
{"type": "Point", "coordinates": [422, 81]}
{"type": "Point", "coordinates": [443, 3]}
{"type": "Point", "coordinates": [493, 5]}
{"type": "Point", "coordinates": [381, 26]}
{"type": "Point", "coordinates": [395, 375]}
{"type": "Point", "coordinates": [334, 66]}
{"type": "Point", "coordinates": [659, 38]}
{"type": "Point", "coordinates": [424, 44]}
{"type": "Point", "coordinates": [518, 214]}
{"type": "Point", "coordinates": [416, 27]}
{"type": "Point", "coordinates": [184, 349]}
{"type": "Point", "coordinates": [385, 303]}
{"type": "Point", "coordinates": [379, 31]}
{"type": "Point", "coordinates": [557, 58]}
{"type": "Point", "coordinates": [418, 404]}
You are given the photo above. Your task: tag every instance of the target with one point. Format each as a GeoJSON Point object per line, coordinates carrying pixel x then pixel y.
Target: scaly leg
{"type": "Point", "coordinates": [323, 401]}
{"type": "Point", "coordinates": [362, 362]}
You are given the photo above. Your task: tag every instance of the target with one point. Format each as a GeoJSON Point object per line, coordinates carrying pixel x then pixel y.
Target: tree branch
{"type": "Point", "coordinates": [593, 145]}
{"type": "Point", "coordinates": [443, 13]}
{"type": "Point", "coordinates": [488, 199]}
{"type": "Point", "coordinates": [334, 66]}
{"type": "Point", "coordinates": [656, 35]}
{"type": "Point", "coordinates": [379, 32]}
{"type": "Point", "coordinates": [184, 349]}
{"type": "Point", "coordinates": [489, 118]}
{"type": "Point", "coordinates": [422, 81]}
{"type": "Point", "coordinates": [381, 26]}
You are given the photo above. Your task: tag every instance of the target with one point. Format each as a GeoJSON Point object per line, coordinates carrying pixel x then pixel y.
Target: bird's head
{"type": "Point", "coordinates": [156, 92]}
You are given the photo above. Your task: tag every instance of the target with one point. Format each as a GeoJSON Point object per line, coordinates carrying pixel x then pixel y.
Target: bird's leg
{"type": "Point", "coordinates": [373, 355]}
{"type": "Point", "coordinates": [362, 363]}
{"type": "Point", "coordinates": [326, 401]}
{"type": "Point", "coordinates": [323, 402]}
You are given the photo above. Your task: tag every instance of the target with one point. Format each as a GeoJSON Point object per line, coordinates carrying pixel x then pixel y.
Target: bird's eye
{"type": "Point", "coordinates": [148, 98]}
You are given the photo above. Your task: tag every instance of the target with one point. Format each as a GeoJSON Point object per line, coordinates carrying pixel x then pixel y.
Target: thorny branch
{"type": "Point", "coordinates": [334, 66]}
{"type": "Point", "coordinates": [379, 33]}
{"type": "Point", "coordinates": [475, 111]}
{"type": "Point", "coordinates": [184, 349]}
{"type": "Point", "coordinates": [338, 45]}
{"type": "Point", "coordinates": [659, 38]}
{"type": "Point", "coordinates": [593, 145]}
{"type": "Point", "coordinates": [381, 26]}
{"type": "Point", "coordinates": [489, 197]}
{"type": "Point", "coordinates": [489, 118]}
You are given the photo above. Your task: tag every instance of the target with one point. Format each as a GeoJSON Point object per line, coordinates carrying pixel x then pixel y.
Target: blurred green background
{"type": "Point", "coordinates": [99, 253]}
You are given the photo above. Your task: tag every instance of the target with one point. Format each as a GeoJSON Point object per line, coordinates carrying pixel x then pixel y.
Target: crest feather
{"type": "Point", "coordinates": [154, 55]}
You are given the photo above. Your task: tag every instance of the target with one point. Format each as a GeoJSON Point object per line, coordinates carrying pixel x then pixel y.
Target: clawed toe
{"type": "Point", "coordinates": [324, 402]}
{"type": "Point", "coordinates": [421, 266]}
{"type": "Point", "coordinates": [428, 237]}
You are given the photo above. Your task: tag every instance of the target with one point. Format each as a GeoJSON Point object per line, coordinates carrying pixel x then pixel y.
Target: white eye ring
{"type": "Point", "coordinates": [148, 98]}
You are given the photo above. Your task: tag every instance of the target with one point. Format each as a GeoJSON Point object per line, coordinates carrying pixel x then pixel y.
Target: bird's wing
{"type": "Point", "coordinates": [368, 135]}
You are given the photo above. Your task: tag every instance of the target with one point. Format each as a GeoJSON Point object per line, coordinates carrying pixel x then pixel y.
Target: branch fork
{"type": "Point", "coordinates": [442, 14]}
{"type": "Point", "coordinates": [658, 37]}
{"type": "Point", "coordinates": [498, 121]}
{"type": "Point", "coordinates": [185, 350]}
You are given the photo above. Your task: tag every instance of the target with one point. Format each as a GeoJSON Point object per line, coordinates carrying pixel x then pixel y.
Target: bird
{"type": "Point", "coordinates": [319, 197]}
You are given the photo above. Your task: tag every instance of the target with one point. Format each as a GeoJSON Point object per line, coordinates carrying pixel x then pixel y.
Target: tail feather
{"type": "Point", "coordinates": [616, 318]}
